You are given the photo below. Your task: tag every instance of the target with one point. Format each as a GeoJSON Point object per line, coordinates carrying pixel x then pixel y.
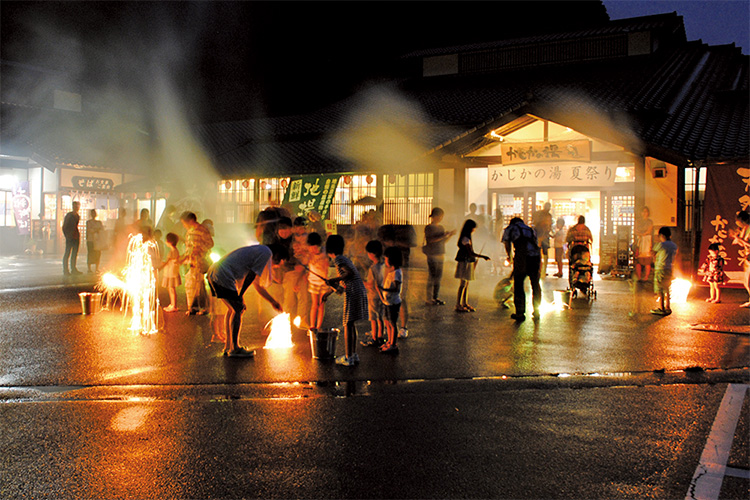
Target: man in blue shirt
{"type": "Point", "coordinates": [522, 247]}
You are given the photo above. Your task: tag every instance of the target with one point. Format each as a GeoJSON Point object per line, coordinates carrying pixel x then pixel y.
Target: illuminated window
{"type": "Point", "coordinates": [351, 189]}
{"type": "Point", "coordinates": [7, 218]}
{"type": "Point", "coordinates": [625, 173]}
{"type": "Point", "coordinates": [236, 201]}
{"type": "Point", "coordinates": [271, 191]}
{"type": "Point", "coordinates": [407, 198]}
{"type": "Point", "coordinates": [50, 206]}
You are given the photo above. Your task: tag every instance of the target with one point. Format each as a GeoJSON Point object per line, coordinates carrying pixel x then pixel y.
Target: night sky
{"type": "Point", "coordinates": [236, 60]}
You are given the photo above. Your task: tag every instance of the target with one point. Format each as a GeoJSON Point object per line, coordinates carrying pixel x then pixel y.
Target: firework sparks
{"type": "Point", "coordinates": [281, 332]}
{"type": "Point", "coordinates": [137, 287]}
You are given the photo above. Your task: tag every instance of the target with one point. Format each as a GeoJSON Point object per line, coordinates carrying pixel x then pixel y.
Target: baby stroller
{"type": "Point", "coordinates": [581, 283]}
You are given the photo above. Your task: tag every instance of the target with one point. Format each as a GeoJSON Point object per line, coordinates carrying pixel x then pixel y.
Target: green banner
{"type": "Point", "coordinates": [311, 192]}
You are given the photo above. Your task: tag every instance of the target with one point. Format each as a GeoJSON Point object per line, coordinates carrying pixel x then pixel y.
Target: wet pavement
{"type": "Point", "coordinates": [603, 400]}
{"type": "Point", "coordinates": [612, 334]}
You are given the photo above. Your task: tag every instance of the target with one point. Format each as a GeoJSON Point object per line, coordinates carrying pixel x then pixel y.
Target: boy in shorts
{"type": "Point", "coordinates": [664, 257]}
{"type": "Point", "coordinates": [231, 276]}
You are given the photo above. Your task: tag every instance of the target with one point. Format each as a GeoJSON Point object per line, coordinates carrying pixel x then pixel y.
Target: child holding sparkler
{"type": "Point", "coordinates": [317, 269]}
{"type": "Point", "coordinates": [392, 296]}
{"type": "Point", "coordinates": [355, 296]}
{"type": "Point", "coordinates": [713, 272]}
{"type": "Point", "coordinates": [171, 279]}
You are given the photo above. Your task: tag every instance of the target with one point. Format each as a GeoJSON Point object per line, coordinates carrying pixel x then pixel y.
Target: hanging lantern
{"type": "Point", "coordinates": [263, 184]}
{"type": "Point", "coordinates": [347, 179]}
{"type": "Point", "coordinates": [246, 184]}
{"type": "Point", "coordinates": [166, 196]}
{"type": "Point", "coordinates": [284, 183]}
{"type": "Point", "coordinates": [135, 196]}
{"type": "Point", "coordinates": [228, 185]}
{"type": "Point", "coordinates": [148, 196]}
{"type": "Point", "coordinates": [369, 179]}
{"type": "Point", "coordinates": [392, 178]}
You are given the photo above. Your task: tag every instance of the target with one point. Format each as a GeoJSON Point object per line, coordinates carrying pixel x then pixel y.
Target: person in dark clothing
{"type": "Point", "coordinates": [522, 247]}
{"type": "Point", "coordinates": [434, 248]}
{"type": "Point", "coordinates": [72, 239]}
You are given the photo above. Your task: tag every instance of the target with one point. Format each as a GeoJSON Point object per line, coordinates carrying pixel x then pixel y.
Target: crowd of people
{"type": "Point", "coordinates": [291, 266]}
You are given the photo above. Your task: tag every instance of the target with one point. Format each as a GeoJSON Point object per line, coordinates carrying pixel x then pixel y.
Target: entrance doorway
{"type": "Point", "coordinates": [569, 205]}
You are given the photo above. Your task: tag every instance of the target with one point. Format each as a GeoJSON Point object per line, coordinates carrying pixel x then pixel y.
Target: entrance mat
{"type": "Point", "coordinates": [733, 329]}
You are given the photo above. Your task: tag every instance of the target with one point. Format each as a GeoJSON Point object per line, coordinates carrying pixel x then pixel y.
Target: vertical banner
{"type": "Point", "coordinates": [311, 192]}
{"type": "Point", "coordinates": [726, 194]}
{"type": "Point", "coordinates": [22, 207]}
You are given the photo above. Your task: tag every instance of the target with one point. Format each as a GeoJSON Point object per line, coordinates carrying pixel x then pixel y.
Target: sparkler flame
{"type": "Point", "coordinates": [679, 291]}
{"type": "Point", "coordinates": [281, 333]}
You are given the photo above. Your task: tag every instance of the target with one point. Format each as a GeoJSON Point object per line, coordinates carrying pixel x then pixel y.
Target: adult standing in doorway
{"type": "Point", "coordinates": [644, 230]}
{"type": "Point", "coordinates": [522, 247]}
{"type": "Point", "coordinates": [94, 241]}
{"type": "Point", "coordinates": [72, 239]}
{"type": "Point", "coordinates": [198, 243]}
{"type": "Point", "coordinates": [542, 223]}
{"type": "Point", "coordinates": [434, 249]}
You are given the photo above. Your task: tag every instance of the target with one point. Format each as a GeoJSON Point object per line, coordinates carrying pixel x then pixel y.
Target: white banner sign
{"type": "Point", "coordinates": [569, 174]}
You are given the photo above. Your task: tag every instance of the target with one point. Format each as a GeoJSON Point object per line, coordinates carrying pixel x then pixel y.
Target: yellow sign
{"type": "Point", "coordinates": [533, 152]}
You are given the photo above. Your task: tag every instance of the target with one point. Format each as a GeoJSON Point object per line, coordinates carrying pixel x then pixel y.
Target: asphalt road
{"type": "Point", "coordinates": [603, 400]}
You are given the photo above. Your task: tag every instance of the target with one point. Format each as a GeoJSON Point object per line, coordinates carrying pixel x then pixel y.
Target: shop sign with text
{"type": "Point", "coordinates": [22, 207]}
{"type": "Point", "coordinates": [573, 175]}
{"type": "Point", "coordinates": [89, 180]}
{"type": "Point", "coordinates": [311, 192]}
{"type": "Point", "coordinates": [533, 152]}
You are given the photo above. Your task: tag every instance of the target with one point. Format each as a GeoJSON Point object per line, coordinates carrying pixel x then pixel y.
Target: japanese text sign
{"type": "Point", "coordinates": [598, 174]}
{"type": "Point", "coordinates": [311, 192]}
{"type": "Point", "coordinates": [533, 152]}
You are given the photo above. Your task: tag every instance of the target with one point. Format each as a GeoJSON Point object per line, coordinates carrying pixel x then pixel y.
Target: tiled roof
{"type": "Point", "coordinates": [670, 22]}
{"type": "Point", "coordinates": [688, 103]}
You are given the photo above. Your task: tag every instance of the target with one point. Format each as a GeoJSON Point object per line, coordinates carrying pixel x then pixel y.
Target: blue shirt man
{"type": "Point", "coordinates": [522, 245]}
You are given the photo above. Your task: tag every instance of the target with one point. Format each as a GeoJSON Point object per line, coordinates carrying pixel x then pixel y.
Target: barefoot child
{"type": "Point", "coordinates": [171, 267]}
{"type": "Point", "coordinates": [713, 272]}
{"type": "Point", "coordinates": [355, 296]}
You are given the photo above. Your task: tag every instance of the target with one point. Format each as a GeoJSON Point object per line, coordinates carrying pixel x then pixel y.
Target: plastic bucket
{"type": "Point", "coordinates": [90, 302]}
{"type": "Point", "coordinates": [323, 342]}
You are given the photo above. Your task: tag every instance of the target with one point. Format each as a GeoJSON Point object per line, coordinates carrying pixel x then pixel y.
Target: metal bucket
{"type": "Point", "coordinates": [562, 297]}
{"type": "Point", "coordinates": [323, 342]}
{"type": "Point", "coordinates": [91, 303]}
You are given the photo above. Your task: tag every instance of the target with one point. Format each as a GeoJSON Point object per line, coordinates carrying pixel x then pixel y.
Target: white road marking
{"type": "Point", "coordinates": [706, 483]}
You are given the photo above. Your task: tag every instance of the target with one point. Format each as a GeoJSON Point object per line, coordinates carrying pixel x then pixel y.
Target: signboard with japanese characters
{"type": "Point", "coordinates": [311, 192]}
{"type": "Point", "coordinates": [87, 181]}
{"type": "Point", "coordinates": [727, 193]}
{"type": "Point", "coordinates": [564, 174]}
{"type": "Point", "coordinates": [22, 207]}
{"type": "Point", "coordinates": [533, 152]}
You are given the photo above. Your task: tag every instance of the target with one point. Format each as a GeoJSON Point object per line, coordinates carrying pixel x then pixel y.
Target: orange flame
{"type": "Point", "coordinates": [281, 333]}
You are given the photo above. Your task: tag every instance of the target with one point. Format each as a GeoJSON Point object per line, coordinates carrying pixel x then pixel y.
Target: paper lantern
{"type": "Point", "coordinates": [369, 179]}
{"type": "Point", "coordinates": [228, 184]}
{"type": "Point", "coordinates": [392, 178]}
{"type": "Point", "coordinates": [347, 179]}
{"type": "Point", "coordinates": [246, 184]}
{"type": "Point", "coordinates": [284, 183]}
